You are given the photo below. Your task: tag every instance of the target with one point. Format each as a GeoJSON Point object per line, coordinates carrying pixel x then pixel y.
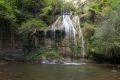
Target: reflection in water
{"type": "Point", "coordinates": [57, 72]}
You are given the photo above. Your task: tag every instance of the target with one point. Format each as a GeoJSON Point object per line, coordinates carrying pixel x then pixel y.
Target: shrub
{"type": "Point", "coordinates": [37, 54]}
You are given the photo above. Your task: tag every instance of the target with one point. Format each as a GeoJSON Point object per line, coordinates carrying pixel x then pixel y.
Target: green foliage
{"type": "Point", "coordinates": [89, 30]}
{"type": "Point", "coordinates": [103, 20]}
{"type": "Point", "coordinates": [103, 6]}
{"type": "Point", "coordinates": [32, 24]}
{"type": "Point", "coordinates": [107, 36]}
{"type": "Point", "coordinates": [69, 7]}
{"type": "Point", "coordinates": [7, 9]}
{"type": "Point", "coordinates": [49, 53]}
{"type": "Point", "coordinates": [109, 30]}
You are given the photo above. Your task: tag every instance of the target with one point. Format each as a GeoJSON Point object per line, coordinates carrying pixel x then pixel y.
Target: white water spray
{"type": "Point", "coordinates": [73, 31]}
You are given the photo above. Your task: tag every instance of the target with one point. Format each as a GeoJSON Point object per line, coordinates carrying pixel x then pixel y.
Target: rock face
{"type": "Point", "coordinates": [12, 55]}
{"type": "Point", "coordinates": [10, 44]}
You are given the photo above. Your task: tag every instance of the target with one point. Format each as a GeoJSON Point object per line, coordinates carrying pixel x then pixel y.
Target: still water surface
{"type": "Point", "coordinates": [57, 72]}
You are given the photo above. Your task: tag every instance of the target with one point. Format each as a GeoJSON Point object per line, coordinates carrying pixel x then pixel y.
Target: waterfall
{"type": "Point", "coordinates": [71, 26]}
{"type": "Point", "coordinates": [76, 21]}
{"type": "Point", "coordinates": [83, 44]}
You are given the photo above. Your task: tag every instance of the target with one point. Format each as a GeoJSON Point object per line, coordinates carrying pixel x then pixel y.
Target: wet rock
{"type": "Point", "coordinates": [59, 62]}
{"type": "Point", "coordinates": [118, 78]}
{"type": "Point", "coordinates": [119, 66]}
{"type": "Point", "coordinates": [1, 72]}
{"type": "Point", "coordinates": [52, 61]}
{"type": "Point", "coordinates": [114, 71]}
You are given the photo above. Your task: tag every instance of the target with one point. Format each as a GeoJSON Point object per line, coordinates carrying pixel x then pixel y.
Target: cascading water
{"type": "Point", "coordinates": [76, 22]}
{"type": "Point", "coordinates": [73, 31]}
{"type": "Point", "coordinates": [69, 28]}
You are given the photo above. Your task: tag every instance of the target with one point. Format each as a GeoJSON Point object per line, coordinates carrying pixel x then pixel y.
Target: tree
{"type": "Point", "coordinates": [107, 36]}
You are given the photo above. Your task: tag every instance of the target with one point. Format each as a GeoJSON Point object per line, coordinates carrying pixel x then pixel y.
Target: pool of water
{"type": "Point", "coordinates": [58, 72]}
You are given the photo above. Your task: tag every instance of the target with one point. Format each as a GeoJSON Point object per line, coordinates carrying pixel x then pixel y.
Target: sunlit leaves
{"type": "Point", "coordinates": [103, 6]}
